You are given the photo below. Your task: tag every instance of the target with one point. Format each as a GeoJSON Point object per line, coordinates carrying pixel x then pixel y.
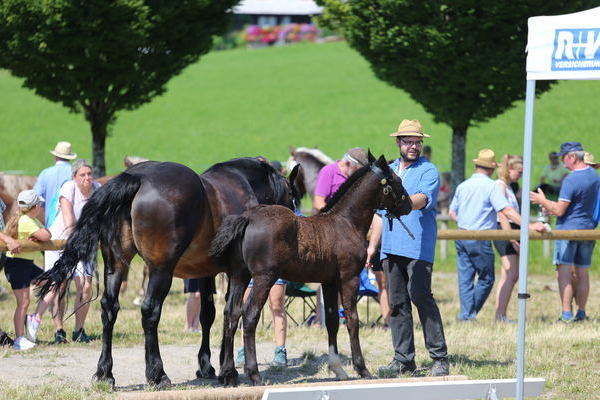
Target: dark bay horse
{"type": "Point", "coordinates": [311, 160]}
{"type": "Point", "coordinates": [271, 242]}
{"type": "Point", "coordinates": [167, 214]}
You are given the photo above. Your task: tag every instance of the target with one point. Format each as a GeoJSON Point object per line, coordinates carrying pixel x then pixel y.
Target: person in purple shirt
{"type": "Point", "coordinates": [407, 258]}
{"type": "Point", "coordinates": [332, 176]}
{"type": "Point", "coordinates": [575, 210]}
{"type": "Point", "coordinates": [52, 178]}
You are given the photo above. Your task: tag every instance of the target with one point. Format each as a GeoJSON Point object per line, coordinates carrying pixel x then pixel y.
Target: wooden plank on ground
{"type": "Point", "coordinates": [256, 392]}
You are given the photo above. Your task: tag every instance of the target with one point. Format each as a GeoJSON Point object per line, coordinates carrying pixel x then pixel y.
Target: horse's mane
{"type": "Point", "coordinates": [277, 182]}
{"type": "Point", "coordinates": [316, 153]}
{"type": "Point", "coordinates": [345, 186]}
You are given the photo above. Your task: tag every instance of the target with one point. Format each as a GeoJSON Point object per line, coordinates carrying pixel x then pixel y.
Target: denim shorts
{"type": "Point", "coordinates": [573, 252]}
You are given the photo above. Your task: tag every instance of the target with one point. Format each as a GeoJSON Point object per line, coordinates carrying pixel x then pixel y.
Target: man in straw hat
{"type": "Point", "coordinates": [52, 178]}
{"type": "Point", "coordinates": [575, 209]}
{"type": "Point", "coordinates": [407, 258]}
{"type": "Point", "coordinates": [475, 206]}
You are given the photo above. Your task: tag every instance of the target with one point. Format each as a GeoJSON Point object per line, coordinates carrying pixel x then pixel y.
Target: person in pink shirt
{"type": "Point", "coordinates": [332, 176]}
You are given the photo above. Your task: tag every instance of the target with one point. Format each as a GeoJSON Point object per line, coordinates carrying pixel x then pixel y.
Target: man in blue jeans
{"type": "Point", "coordinates": [575, 209]}
{"type": "Point", "coordinates": [475, 206]}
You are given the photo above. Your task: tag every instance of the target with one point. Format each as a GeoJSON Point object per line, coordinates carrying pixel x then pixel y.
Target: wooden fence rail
{"type": "Point", "coordinates": [443, 234]}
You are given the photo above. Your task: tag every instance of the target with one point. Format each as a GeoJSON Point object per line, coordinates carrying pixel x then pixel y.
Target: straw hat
{"type": "Point", "coordinates": [589, 159]}
{"type": "Point", "coordinates": [63, 150]}
{"type": "Point", "coordinates": [486, 158]}
{"type": "Point", "coordinates": [410, 127]}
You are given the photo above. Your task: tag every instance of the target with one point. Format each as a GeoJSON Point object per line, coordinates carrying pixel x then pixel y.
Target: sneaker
{"type": "Point", "coordinates": [440, 367]}
{"type": "Point", "coordinates": [5, 340]}
{"type": "Point", "coordinates": [80, 336]}
{"type": "Point", "coordinates": [397, 367]}
{"type": "Point", "coordinates": [280, 358]}
{"type": "Point", "coordinates": [240, 360]}
{"type": "Point", "coordinates": [563, 320]}
{"type": "Point", "coordinates": [32, 324]}
{"type": "Point", "coordinates": [60, 337]}
{"type": "Point", "coordinates": [580, 317]}
{"type": "Point", "coordinates": [22, 343]}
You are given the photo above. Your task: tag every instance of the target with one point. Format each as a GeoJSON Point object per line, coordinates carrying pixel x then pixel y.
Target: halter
{"type": "Point", "coordinates": [387, 190]}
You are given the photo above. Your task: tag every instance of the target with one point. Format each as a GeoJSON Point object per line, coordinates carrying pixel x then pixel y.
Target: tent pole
{"type": "Point", "coordinates": [524, 253]}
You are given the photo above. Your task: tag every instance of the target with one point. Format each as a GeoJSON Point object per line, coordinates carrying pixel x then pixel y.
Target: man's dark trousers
{"type": "Point", "coordinates": [409, 279]}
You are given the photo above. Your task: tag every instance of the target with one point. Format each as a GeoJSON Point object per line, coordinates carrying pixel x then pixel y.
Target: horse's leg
{"type": "Point", "coordinates": [159, 283]}
{"type": "Point", "coordinates": [332, 322]}
{"type": "Point", "coordinates": [233, 309]}
{"type": "Point", "coordinates": [251, 314]}
{"type": "Point", "coordinates": [348, 294]}
{"type": "Point", "coordinates": [207, 317]}
{"type": "Point", "coordinates": [114, 270]}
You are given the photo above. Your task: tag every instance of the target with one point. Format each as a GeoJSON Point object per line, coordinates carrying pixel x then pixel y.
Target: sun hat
{"type": "Point", "coordinates": [486, 158]}
{"type": "Point", "coordinates": [589, 159]}
{"type": "Point", "coordinates": [63, 150]}
{"type": "Point", "coordinates": [569, 147]}
{"type": "Point", "coordinates": [410, 127]}
{"type": "Point", "coordinates": [357, 155]}
{"type": "Point", "coordinates": [29, 198]}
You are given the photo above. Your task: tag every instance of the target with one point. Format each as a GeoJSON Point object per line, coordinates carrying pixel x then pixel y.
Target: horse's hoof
{"type": "Point", "coordinates": [365, 374]}
{"type": "Point", "coordinates": [230, 379]}
{"type": "Point", "coordinates": [340, 374]}
{"type": "Point", "coordinates": [161, 384]}
{"type": "Point", "coordinates": [102, 378]}
{"type": "Point", "coordinates": [255, 379]}
{"type": "Point", "coordinates": [210, 374]}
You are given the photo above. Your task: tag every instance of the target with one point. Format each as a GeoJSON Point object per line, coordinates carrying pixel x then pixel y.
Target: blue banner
{"type": "Point", "coordinates": [576, 49]}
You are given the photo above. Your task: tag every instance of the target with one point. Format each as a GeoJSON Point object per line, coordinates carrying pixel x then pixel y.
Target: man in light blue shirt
{"type": "Point", "coordinates": [475, 206]}
{"type": "Point", "coordinates": [575, 210]}
{"type": "Point", "coordinates": [408, 260]}
{"type": "Point", "coordinates": [52, 178]}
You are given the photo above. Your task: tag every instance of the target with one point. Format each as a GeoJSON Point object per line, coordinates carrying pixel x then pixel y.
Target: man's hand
{"type": "Point", "coordinates": [537, 226]}
{"type": "Point", "coordinates": [537, 197]}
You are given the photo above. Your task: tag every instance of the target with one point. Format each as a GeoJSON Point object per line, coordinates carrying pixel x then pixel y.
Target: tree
{"type": "Point", "coordinates": [102, 56]}
{"type": "Point", "coordinates": [462, 60]}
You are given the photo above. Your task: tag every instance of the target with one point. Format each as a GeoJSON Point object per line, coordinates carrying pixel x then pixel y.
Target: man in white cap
{"type": "Point", "coordinates": [475, 206]}
{"type": "Point", "coordinates": [407, 258]}
{"type": "Point", "coordinates": [51, 179]}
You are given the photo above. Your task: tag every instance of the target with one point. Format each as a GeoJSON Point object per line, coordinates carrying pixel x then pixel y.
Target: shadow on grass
{"type": "Point", "coordinates": [462, 360]}
{"type": "Point", "coordinates": [299, 370]}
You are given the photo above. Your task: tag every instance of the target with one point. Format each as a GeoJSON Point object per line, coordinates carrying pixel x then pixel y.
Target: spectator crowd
{"type": "Point", "coordinates": [402, 256]}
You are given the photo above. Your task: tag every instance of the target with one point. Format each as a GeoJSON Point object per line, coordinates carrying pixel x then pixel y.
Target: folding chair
{"type": "Point", "coordinates": [295, 290]}
{"type": "Point", "coordinates": [368, 290]}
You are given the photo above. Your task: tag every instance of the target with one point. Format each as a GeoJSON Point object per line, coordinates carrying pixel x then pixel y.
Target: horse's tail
{"type": "Point", "coordinates": [231, 231]}
{"type": "Point", "coordinates": [101, 220]}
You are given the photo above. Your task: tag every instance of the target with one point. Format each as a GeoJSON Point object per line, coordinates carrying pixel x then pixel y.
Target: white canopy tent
{"type": "Point", "coordinates": [558, 47]}
{"type": "Point", "coordinates": [278, 7]}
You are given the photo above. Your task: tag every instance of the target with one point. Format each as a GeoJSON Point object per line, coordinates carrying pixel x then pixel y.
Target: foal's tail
{"type": "Point", "coordinates": [101, 220]}
{"type": "Point", "coordinates": [230, 232]}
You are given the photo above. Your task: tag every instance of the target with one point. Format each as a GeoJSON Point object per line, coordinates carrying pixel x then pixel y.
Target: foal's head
{"type": "Point", "coordinates": [394, 197]}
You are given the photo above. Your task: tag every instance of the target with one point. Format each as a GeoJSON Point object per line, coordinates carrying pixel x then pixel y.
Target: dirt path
{"type": "Point", "coordinates": [75, 365]}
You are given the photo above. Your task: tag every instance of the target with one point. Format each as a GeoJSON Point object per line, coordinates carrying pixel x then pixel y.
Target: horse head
{"type": "Point", "coordinates": [394, 197]}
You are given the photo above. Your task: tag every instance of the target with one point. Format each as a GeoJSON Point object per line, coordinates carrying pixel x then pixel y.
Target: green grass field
{"type": "Point", "coordinates": [250, 102]}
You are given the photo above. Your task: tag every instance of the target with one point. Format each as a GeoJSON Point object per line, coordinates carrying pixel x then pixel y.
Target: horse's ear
{"type": "Point", "coordinates": [381, 161]}
{"type": "Point", "coordinates": [370, 156]}
{"type": "Point", "coordinates": [294, 174]}
{"type": "Point", "coordinates": [292, 150]}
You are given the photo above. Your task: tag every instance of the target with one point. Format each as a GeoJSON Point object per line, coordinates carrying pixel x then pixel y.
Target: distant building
{"type": "Point", "coordinates": [275, 12]}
